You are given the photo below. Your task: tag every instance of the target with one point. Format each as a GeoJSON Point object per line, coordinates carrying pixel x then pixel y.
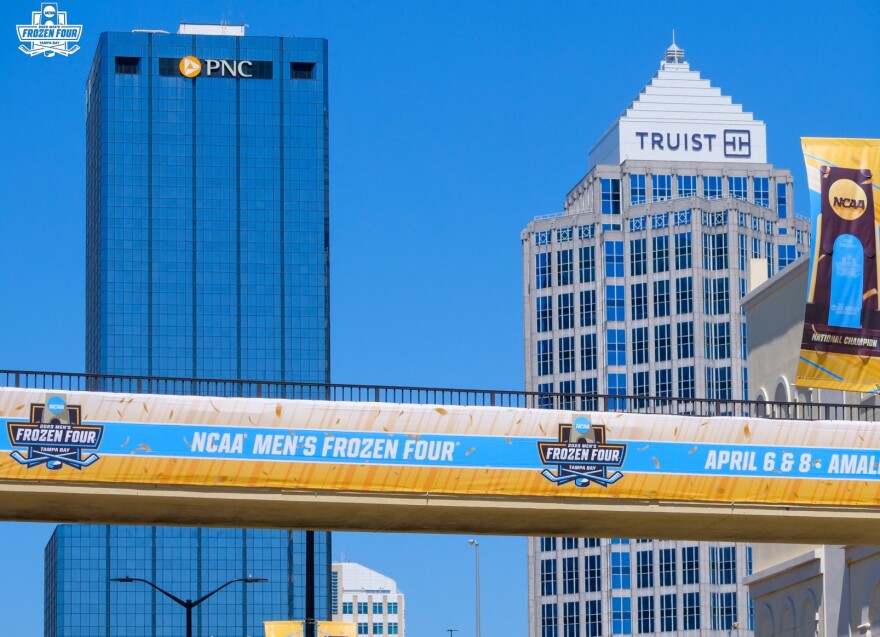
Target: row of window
{"type": "Point", "coordinates": [722, 609]}
{"type": "Point", "coordinates": [686, 186]}
{"type": "Point", "coordinates": [363, 608]}
{"type": "Point", "coordinates": [715, 257]}
{"type": "Point", "coordinates": [127, 65]}
{"type": "Point", "coordinates": [363, 628]}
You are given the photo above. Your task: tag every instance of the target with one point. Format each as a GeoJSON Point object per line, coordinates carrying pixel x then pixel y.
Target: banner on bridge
{"type": "Point", "coordinates": [374, 448]}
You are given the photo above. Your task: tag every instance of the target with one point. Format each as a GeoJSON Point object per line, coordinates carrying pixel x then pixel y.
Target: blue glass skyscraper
{"type": "Point", "coordinates": [207, 227]}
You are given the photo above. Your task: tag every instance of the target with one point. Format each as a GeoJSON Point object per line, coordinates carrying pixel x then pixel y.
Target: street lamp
{"type": "Point", "coordinates": [476, 546]}
{"type": "Point", "coordinates": [188, 604]}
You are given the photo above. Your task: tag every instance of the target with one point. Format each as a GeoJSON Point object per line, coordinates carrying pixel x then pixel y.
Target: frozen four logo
{"type": "Point", "coordinates": [49, 33]}
{"type": "Point", "coordinates": [581, 455]}
{"type": "Point", "coordinates": [55, 436]}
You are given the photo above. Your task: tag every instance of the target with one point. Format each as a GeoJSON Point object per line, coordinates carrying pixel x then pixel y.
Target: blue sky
{"type": "Point", "coordinates": [452, 124]}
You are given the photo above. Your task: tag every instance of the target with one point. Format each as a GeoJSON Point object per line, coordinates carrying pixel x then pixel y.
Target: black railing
{"type": "Point", "coordinates": [682, 406]}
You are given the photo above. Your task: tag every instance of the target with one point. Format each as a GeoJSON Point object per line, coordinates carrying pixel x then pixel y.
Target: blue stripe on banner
{"type": "Point", "coordinates": [822, 369]}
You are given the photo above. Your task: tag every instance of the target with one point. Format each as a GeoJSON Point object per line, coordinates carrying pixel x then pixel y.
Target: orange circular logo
{"type": "Point", "coordinates": [190, 66]}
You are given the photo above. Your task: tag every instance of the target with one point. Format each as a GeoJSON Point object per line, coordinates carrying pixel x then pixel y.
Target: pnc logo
{"type": "Point", "coordinates": [847, 199]}
{"type": "Point", "coordinates": [190, 66]}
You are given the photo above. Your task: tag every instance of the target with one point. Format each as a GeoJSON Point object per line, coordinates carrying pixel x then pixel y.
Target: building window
{"type": "Point", "coordinates": [611, 197]}
{"type": "Point", "coordinates": [592, 573]}
{"type": "Point", "coordinates": [588, 308]}
{"type": "Point", "coordinates": [566, 311]}
{"type": "Point", "coordinates": [641, 386]}
{"type": "Point", "coordinates": [545, 399]}
{"type": "Point", "coordinates": [570, 575]}
{"type": "Point", "coordinates": [127, 65]}
{"type": "Point", "coordinates": [659, 220]}
{"type": "Point", "coordinates": [587, 264]}
{"type": "Point", "coordinates": [687, 187]}
{"type": "Point", "coordinates": [563, 235]}
{"type": "Point", "coordinates": [566, 355]}
{"type": "Point", "coordinates": [723, 610]}
{"type": "Point", "coordinates": [738, 187]}
{"type": "Point", "coordinates": [662, 343]}
{"type": "Point", "coordinates": [722, 564]}
{"type": "Point", "coordinates": [549, 620]}
{"type": "Point", "coordinates": [548, 577]}
{"type": "Point", "coordinates": [363, 608]}
{"type": "Point", "coordinates": [593, 609]}
{"type": "Point", "coordinates": [636, 189]}
{"type": "Point", "coordinates": [660, 255]}
{"type": "Point", "coordinates": [682, 217]}
{"type": "Point", "coordinates": [548, 544]}
{"type": "Point", "coordinates": [569, 543]}
{"type": "Point", "coordinates": [787, 255]}
{"type": "Point", "coordinates": [715, 251]}
{"type": "Point", "coordinates": [347, 608]}
{"type": "Point", "coordinates": [613, 258]}
{"type": "Point", "coordinates": [663, 380]}
{"type": "Point", "coordinates": [377, 628]}
{"type": "Point", "coordinates": [646, 614]}
{"type": "Point", "coordinates": [661, 187]}
{"type": "Point", "coordinates": [617, 387]}
{"type": "Point", "coordinates": [684, 339]}
{"type": "Point", "coordinates": [743, 252]}
{"type": "Point", "coordinates": [683, 258]}
{"type": "Point", "coordinates": [588, 353]}
{"type": "Point", "coordinates": [545, 358]}
{"type": "Point", "coordinates": [638, 257]}
{"type": "Point", "coordinates": [668, 618]}
{"type": "Point", "coordinates": [542, 270]}
{"type": "Point", "coordinates": [639, 292]}
{"type": "Point", "coordinates": [571, 619]}
{"type": "Point", "coordinates": [769, 253]}
{"type": "Point", "coordinates": [712, 187]}
{"type": "Point", "coordinates": [718, 383]}
{"type": "Point", "coordinates": [748, 560]}
{"type": "Point", "coordinates": [302, 70]}
{"type": "Point", "coordinates": [687, 383]}
{"type": "Point", "coordinates": [684, 295]}
{"type": "Point", "coordinates": [620, 570]}
{"type": "Point", "coordinates": [544, 313]}
{"type": "Point", "coordinates": [717, 341]}
{"type": "Point", "coordinates": [377, 608]}
{"type": "Point", "coordinates": [762, 191]}
{"type": "Point", "coordinates": [621, 615]}
{"type": "Point", "coordinates": [392, 628]}
{"type": "Point", "coordinates": [667, 567]}
{"type": "Point", "coordinates": [716, 296]}
{"type": "Point", "coordinates": [616, 348]}
{"type": "Point", "coordinates": [781, 201]}
{"type": "Point", "coordinates": [661, 298]}
{"type": "Point", "coordinates": [615, 306]}
{"type": "Point", "coordinates": [564, 269]}
{"type": "Point", "coordinates": [392, 610]}
{"type": "Point", "coordinates": [645, 569]}
{"type": "Point", "coordinates": [690, 603]}
{"type": "Point", "coordinates": [690, 564]}
{"type": "Point", "coordinates": [592, 542]}
{"type": "Point", "coordinates": [640, 345]}
{"type": "Point", "coordinates": [543, 238]}
{"type": "Point", "coordinates": [589, 389]}
{"type": "Point", "coordinates": [363, 628]}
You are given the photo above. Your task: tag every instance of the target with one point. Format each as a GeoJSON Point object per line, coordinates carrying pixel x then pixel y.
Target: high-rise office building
{"type": "Point", "coordinates": [207, 257]}
{"type": "Point", "coordinates": [368, 599]}
{"type": "Point", "coordinates": [634, 290]}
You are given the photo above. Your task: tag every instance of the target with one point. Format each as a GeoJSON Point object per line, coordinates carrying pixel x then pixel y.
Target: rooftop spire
{"type": "Point", "coordinates": [674, 55]}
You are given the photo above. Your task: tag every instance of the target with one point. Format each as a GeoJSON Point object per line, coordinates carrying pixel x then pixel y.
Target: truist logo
{"type": "Point", "coordinates": [736, 143]}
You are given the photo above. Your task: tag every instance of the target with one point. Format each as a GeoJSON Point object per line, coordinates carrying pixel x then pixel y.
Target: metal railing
{"type": "Point", "coordinates": [682, 406]}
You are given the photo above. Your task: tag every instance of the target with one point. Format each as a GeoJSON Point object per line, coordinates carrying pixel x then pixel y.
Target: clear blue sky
{"type": "Point", "coordinates": [452, 124]}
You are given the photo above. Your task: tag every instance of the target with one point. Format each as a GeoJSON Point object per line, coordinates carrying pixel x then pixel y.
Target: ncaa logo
{"type": "Point", "coordinates": [190, 66]}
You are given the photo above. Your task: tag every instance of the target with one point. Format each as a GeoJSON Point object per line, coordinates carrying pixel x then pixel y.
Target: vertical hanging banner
{"type": "Point", "coordinates": [840, 348]}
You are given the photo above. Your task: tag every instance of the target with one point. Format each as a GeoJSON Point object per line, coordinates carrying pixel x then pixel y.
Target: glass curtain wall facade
{"type": "Point", "coordinates": [633, 291]}
{"type": "Point", "coordinates": [187, 562]}
{"type": "Point", "coordinates": [207, 237]}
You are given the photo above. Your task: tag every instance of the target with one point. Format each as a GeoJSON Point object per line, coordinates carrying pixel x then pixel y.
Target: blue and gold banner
{"type": "Point", "coordinates": [840, 348]}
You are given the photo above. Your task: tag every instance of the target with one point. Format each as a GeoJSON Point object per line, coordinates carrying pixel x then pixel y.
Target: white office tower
{"type": "Point", "coordinates": [367, 598]}
{"type": "Point", "coordinates": [634, 290]}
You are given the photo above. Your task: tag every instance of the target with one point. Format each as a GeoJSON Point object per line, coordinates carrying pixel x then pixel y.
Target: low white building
{"type": "Point", "coordinates": [366, 598]}
{"type": "Point", "coordinates": [798, 590]}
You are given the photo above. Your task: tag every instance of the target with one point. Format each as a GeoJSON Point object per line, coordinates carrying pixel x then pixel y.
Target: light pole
{"type": "Point", "coordinates": [476, 546]}
{"type": "Point", "coordinates": [188, 604]}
